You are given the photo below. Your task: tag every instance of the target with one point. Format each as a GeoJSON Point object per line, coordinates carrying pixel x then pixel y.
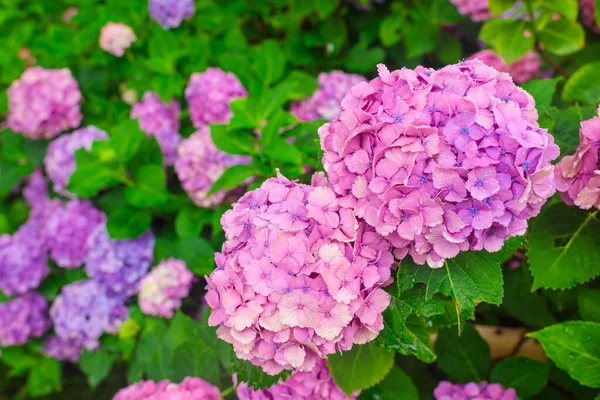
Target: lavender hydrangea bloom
{"type": "Point", "coordinates": [60, 158]}
{"type": "Point", "coordinates": [200, 163]}
{"type": "Point", "coordinates": [473, 391]}
{"type": "Point", "coordinates": [161, 121]}
{"type": "Point", "coordinates": [83, 311]}
{"type": "Point", "coordinates": [170, 13]}
{"type": "Point", "coordinates": [208, 95]}
{"type": "Point", "coordinates": [63, 349]}
{"type": "Point", "coordinates": [68, 231]}
{"type": "Point", "coordinates": [35, 191]}
{"type": "Point", "coordinates": [118, 265]}
{"type": "Point", "coordinates": [44, 102]}
{"type": "Point", "coordinates": [189, 388]}
{"type": "Point", "coordinates": [162, 290]}
{"type": "Point", "coordinates": [325, 101]}
{"type": "Point", "coordinates": [23, 317]}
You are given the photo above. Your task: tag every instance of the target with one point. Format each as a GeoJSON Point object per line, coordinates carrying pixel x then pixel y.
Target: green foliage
{"type": "Point", "coordinates": [464, 358]}
{"type": "Point", "coordinates": [44, 378]}
{"type": "Point", "coordinates": [397, 385]}
{"type": "Point", "coordinates": [589, 304]}
{"type": "Point", "coordinates": [581, 86]}
{"type": "Point", "coordinates": [96, 365]}
{"type": "Point", "coordinates": [527, 376]}
{"type": "Point", "coordinates": [254, 376]}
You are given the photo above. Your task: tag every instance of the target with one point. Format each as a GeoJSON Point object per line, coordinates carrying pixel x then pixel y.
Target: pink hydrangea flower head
{"type": "Point", "coordinates": [298, 268]}
{"type": "Point", "coordinates": [442, 161]}
{"type": "Point", "coordinates": [118, 265]}
{"type": "Point", "coordinates": [116, 37]}
{"type": "Point", "coordinates": [522, 70]}
{"type": "Point", "coordinates": [208, 95]}
{"type": "Point", "coordinates": [83, 311]}
{"type": "Point", "coordinates": [189, 388]}
{"type": "Point", "coordinates": [68, 230]}
{"type": "Point", "coordinates": [162, 290]}
{"type": "Point", "coordinates": [325, 101]}
{"type": "Point", "coordinates": [588, 14]}
{"type": "Point", "coordinates": [170, 13]}
{"type": "Point", "coordinates": [316, 384]}
{"type": "Point", "coordinates": [161, 121]}
{"type": "Point", "coordinates": [200, 163]}
{"type": "Point", "coordinates": [63, 349]}
{"type": "Point", "coordinates": [577, 176]}
{"type": "Point", "coordinates": [473, 391]}
{"type": "Point", "coordinates": [44, 102]}
{"type": "Point", "coordinates": [22, 318]}
{"type": "Point", "coordinates": [60, 157]}
{"type": "Point", "coordinates": [476, 9]}
{"type": "Point", "coordinates": [69, 14]}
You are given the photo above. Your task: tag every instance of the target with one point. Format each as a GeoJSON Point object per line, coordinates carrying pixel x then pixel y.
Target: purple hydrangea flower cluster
{"type": "Point", "coordinates": [35, 191]}
{"type": "Point", "coordinates": [588, 14]}
{"type": "Point", "coordinates": [577, 176]}
{"type": "Point", "coordinates": [314, 385]}
{"type": "Point", "coordinates": [23, 317]}
{"type": "Point", "coordinates": [473, 391]}
{"type": "Point", "coordinates": [116, 37]}
{"type": "Point", "coordinates": [63, 349]}
{"type": "Point", "coordinates": [325, 101]}
{"type": "Point", "coordinates": [60, 157]}
{"type": "Point", "coordinates": [118, 265]}
{"type": "Point", "coordinates": [200, 163]}
{"type": "Point", "coordinates": [298, 268]}
{"type": "Point", "coordinates": [68, 230]}
{"type": "Point", "coordinates": [83, 311]}
{"type": "Point", "coordinates": [162, 290]}
{"type": "Point", "coordinates": [522, 70]}
{"type": "Point", "coordinates": [440, 162]}
{"type": "Point", "coordinates": [161, 121]}
{"type": "Point", "coordinates": [477, 9]}
{"type": "Point", "coordinates": [44, 102]}
{"type": "Point", "coordinates": [189, 388]}
{"type": "Point", "coordinates": [170, 13]}
{"type": "Point", "coordinates": [208, 95]}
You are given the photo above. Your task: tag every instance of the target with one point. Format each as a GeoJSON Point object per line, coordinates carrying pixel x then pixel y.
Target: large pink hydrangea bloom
{"type": "Point", "coordinates": [577, 176]}
{"type": "Point", "coordinates": [522, 70]}
{"type": "Point", "coordinates": [162, 290]}
{"type": "Point", "coordinates": [473, 391]}
{"type": "Point", "coordinates": [298, 278]}
{"type": "Point", "coordinates": [44, 102]}
{"type": "Point", "coordinates": [440, 161]}
{"type": "Point", "coordinates": [477, 9]}
{"type": "Point", "coordinates": [188, 389]}
{"type": "Point", "coordinates": [314, 385]}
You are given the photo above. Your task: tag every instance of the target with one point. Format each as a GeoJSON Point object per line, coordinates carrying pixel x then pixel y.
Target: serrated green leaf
{"type": "Point", "coordinates": [542, 91]}
{"type": "Point", "coordinates": [397, 385]}
{"type": "Point", "coordinates": [582, 86]}
{"type": "Point", "coordinates": [466, 357]}
{"type": "Point", "coordinates": [562, 247]}
{"type": "Point", "coordinates": [562, 37]}
{"type": "Point", "coordinates": [126, 138]}
{"type": "Point", "coordinates": [589, 304]}
{"type": "Point", "coordinates": [232, 142]}
{"type": "Point", "coordinates": [361, 367]}
{"type": "Point", "coordinates": [254, 376]}
{"type": "Point", "coordinates": [127, 223]}
{"type": "Point", "coordinates": [269, 62]}
{"type": "Point", "coordinates": [573, 347]}
{"type": "Point", "coordinates": [528, 377]}
{"type": "Point", "coordinates": [96, 365]}
{"type": "Point", "coordinates": [150, 188]}
{"type": "Point", "coordinates": [194, 358]}
{"type": "Point", "coordinates": [566, 126]}
{"type": "Point", "coordinates": [44, 378]}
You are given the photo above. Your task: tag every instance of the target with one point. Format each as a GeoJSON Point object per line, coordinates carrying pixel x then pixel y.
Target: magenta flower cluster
{"type": "Point", "coordinates": [44, 102]}
{"type": "Point", "coordinates": [161, 121]}
{"type": "Point", "coordinates": [477, 9]}
{"type": "Point", "coordinates": [522, 70]}
{"type": "Point", "coordinates": [200, 163]}
{"type": "Point", "coordinates": [170, 13]}
{"type": "Point", "coordinates": [162, 290]}
{"type": "Point", "coordinates": [116, 37]}
{"type": "Point", "coordinates": [22, 318]}
{"type": "Point", "coordinates": [577, 176]}
{"type": "Point", "coordinates": [314, 385]}
{"type": "Point", "coordinates": [587, 11]}
{"type": "Point", "coordinates": [189, 388]}
{"type": "Point", "coordinates": [208, 95]}
{"type": "Point", "coordinates": [325, 101]}
{"type": "Point", "coordinates": [473, 391]}
{"type": "Point", "coordinates": [440, 162]}
{"type": "Point", "coordinates": [298, 278]}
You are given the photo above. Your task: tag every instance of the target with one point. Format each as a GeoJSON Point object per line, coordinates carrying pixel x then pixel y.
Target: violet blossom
{"type": "Point", "coordinates": [190, 388]}
{"type": "Point", "coordinates": [22, 318]}
{"type": "Point", "coordinates": [473, 391]}
{"type": "Point", "coordinates": [170, 13]}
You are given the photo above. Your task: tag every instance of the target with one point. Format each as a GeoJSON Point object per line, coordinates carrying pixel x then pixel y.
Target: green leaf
{"type": "Point", "coordinates": [566, 126]}
{"type": "Point", "coordinates": [562, 37]}
{"type": "Point", "coordinates": [361, 367]}
{"type": "Point", "coordinates": [190, 221]}
{"type": "Point", "coordinates": [91, 175]}
{"type": "Point", "coordinates": [232, 177]}
{"type": "Point", "coordinates": [583, 86]}
{"type": "Point", "coordinates": [194, 358]}
{"type": "Point", "coordinates": [271, 100]}
{"type": "Point", "coordinates": [466, 357]}
{"type": "Point", "coordinates": [397, 385]}
{"type": "Point", "coordinates": [129, 329]}
{"type": "Point", "coordinates": [597, 11]}
{"type": "Point", "coordinates": [391, 29]}
{"type": "Point", "coordinates": [232, 142]}
{"type": "Point", "coordinates": [126, 223]}
{"type": "Point", "coordinates": [563, 244]}
{"type": "Point", "coordinates": [512, 42]}
{"type": "Point", "coordinates": [589, 304]}
{"type": "Point", "coordinates": [325, 7]}
{"type": "Point", "coordinates": [360, 59]}
{"type": "Point", "coordinates": [525, 375]}
{"type": "Point", "coordinates": [148, 153]}
{"type": "Point", "coordinates": [150, 189]}
{"type": "Point", "coordinates": [243, 115]}
{"type": "Point", "coordinates": [96, 365]}
{"type": "Point", "coordinates": [542, 91]}
{"type": "Point", "coordinates": [197, 253]}
{"type": "Point", "coordinates": [498, 7]}
{"type": "Point", "coordinates": [567, 8]}
{"type": "Point", "coordinates": [303, 84]}
{"type": "Point", "coordinates": [254, 376]}
{"type": "Point", "coordinates": [283, 151]}
{"type": "Point", "coordinates": [126, 139]}
{"type": "Point", "coordinates": [44, 378]}
{"type": "Point", "coordinates": [269, 62]}
{"type": "Point", "coordinates": [469, 278]}
{"type": "Point", "coordinates": [573, 347]}
{"type": "Point", "coordinates": [18, 359]}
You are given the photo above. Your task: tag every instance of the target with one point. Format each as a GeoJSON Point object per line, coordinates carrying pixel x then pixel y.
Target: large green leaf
{"type": "Point", "coordinates": [465, 357]}
{"type": "Point", "coordinates": [542, 91]}
{"type": "Point", "coordinates": [150, 187]}
{"type": "Point", "coordinates": [469, 279]}
{"type": "Point", "coordinates": [126, 139]}
{"type": "Point", "coordinates": [573, 347]}
{"type": "Point", "coordinates": [562, 37]}
{"type": "Point", "coordinates": [254, 376]}
{"type": "Point", "coordinates": [589, 304]}
{"type": "Point", "coordinates": [498, 7]}
{"type": "Point", "coordinates": [232, 177]}
{"type": "Point", "coordinates": [583, 85]}
{"type": "Point", "coordinates": [96, 365]}
{"type": "Point", "coordinates": [512, 41]}
{"type": "Point", "coordinates": [232, 142]}
{"type": "Point", "coordinates": [194, 358]}
{"type": "Point", "coordinates": [269, 62]}
{"type": "Point", "coordinates": [563, 246]}
{"type": "Point", "coordinates": [361, 367]}
{"type": "Point", "coordinates": [126, 223]}
{"type": "Point", "coordinates": [44, 378]}
{"type": "Point", "coordinates": [525, 375]}
{"type": "Point", "coordinates": [397, 385]}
